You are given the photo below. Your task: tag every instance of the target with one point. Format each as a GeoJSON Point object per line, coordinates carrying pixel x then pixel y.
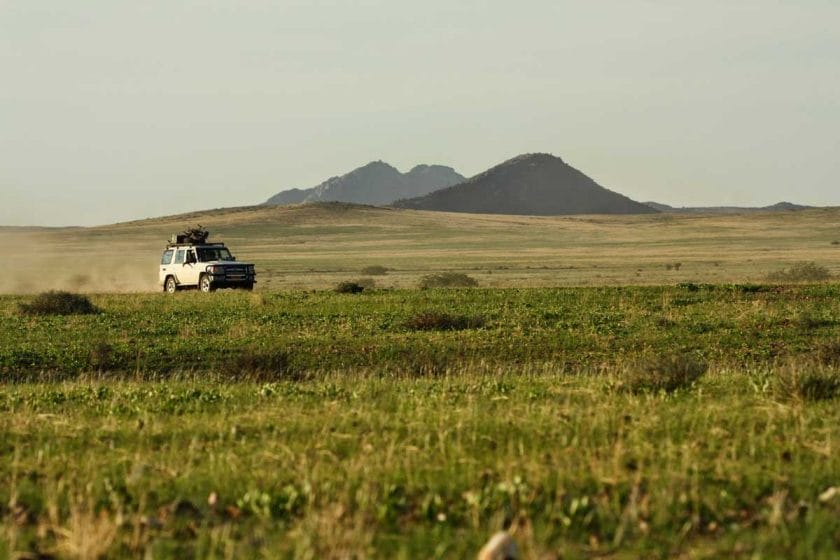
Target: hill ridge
{"type": "Point", "coordinates": [377, 183]}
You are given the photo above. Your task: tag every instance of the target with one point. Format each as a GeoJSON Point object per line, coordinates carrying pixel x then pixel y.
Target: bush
{"type": "Point", "coordinates": [667, 373]}
{"type": "Point", "coordinates": [374, 270]}
{"type": "Point", "coordinates": [59, 303]}
{"type": "Point", "coordinates": [366, 283]}
{"type": "Point", "coordinates": [801, 272]}
{"type": "Point", "coordinates": [448, 280]}
{"type": "Point", "coordinates": [437, 321]}
{"type": "Point", "coordinates": [809, 383]}
{"type": "Point", "coordinates": [349, 288]}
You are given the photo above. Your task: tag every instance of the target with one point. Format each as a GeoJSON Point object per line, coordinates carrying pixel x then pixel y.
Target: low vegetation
{"type": "Point", "coordinates": [579, 328]}
{"type": "Point", "coordinates": [448, 280]}
{"type": "Point", "coordinates": [366, 466]}
{"type": "Point", "coordinates": [309, 424]}
{"type": "Point", "coordinates": [58, 303]}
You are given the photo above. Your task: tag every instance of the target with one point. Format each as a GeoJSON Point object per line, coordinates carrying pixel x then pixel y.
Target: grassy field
{"type": "Point", "coordinates": [305, 247]}
{"type": "Point", "coordinates": [616, 387]}
{"type": "Point", "coordinates": [685, 421]}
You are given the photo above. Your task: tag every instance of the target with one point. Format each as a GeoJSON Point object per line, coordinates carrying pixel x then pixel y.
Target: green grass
{"type": "Point", "coordinates": [154, 336]}
{"type": "Point", "coordinates": [418, 468]}
{"type": "Point", "coordinates": [318, 425]}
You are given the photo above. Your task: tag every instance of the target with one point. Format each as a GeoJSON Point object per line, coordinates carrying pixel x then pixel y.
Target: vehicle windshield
{"type": "Point", "coordinates": [210, 254]}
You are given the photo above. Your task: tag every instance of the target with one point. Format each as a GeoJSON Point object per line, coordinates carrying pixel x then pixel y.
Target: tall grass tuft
{"type": "Point", "coordinates": [828, 354]}
{"type": "Point", "coordinates": [439, 321]}
{"type": "Point", "coordinates": [663, 373]}
{"type": "Point", "coordinates": [807, 383]}
{"type": "Point", "coordinates": [59, 303]}
{"type": "Point", "coordinates": [259, 364]}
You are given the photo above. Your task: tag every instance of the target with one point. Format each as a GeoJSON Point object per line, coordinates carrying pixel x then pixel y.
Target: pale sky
{"type": "Point", "coordinates": [113, 110]}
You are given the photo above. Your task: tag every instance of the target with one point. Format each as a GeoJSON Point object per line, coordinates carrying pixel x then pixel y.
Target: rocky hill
{"type": "Point", "coordinates": [376, 183]}
{"type": "Point", "coordinates": [531, 184]}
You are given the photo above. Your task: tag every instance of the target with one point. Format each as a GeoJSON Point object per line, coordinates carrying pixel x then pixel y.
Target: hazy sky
{"type": "Point", "coordinates": [112, 110]}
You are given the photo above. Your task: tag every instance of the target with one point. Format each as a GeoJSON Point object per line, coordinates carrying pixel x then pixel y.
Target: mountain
{"type": "Point", "coordinates": [778, 207]}
{"type": "Point", "coordinates": [376, 183]}
{"type": "Point", "coordinates": [291, 196]}
{"type": "Point", "coordinates": [531, 184]}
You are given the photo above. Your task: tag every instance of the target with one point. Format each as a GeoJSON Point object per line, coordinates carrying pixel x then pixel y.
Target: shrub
{"type": "Point", "coordinates": [434, 365]}
{"type": "Point", "coordinates": [437, 321]}
{"type": "Point", "coordinates": [835, 242]}
{"type": "Point", "coordinates": [448, 280]}
{"type": "Point", "coordinates": [810, 383]}
{"type": "Point", "coordinates": [374, 270]}
{"type": "Point", "coordinates": [667, 373]}
{"type": "Point", "coordinates": [801, 272]}
{"type": "Point", "coordinates": [349, 288]}
{"type": "Point", "coordinates": [59, 303]}
{"type": "Point", "coordinates": [366, 283]}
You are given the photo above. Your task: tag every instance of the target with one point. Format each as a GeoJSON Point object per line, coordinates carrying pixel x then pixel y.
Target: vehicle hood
{"type": "Point", "coordinates": [225, 263]}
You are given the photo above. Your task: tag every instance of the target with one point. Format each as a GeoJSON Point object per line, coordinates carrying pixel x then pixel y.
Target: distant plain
{"type": "Point", "coordinates": [316, 246]}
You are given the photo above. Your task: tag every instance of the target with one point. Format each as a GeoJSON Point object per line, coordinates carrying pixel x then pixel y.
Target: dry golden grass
{"type": "Point", "coordinates": [318, 246]}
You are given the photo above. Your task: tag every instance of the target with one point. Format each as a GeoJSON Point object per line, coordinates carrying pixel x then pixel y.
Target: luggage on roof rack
{"type": "Point", "coordinates": [192, 236]}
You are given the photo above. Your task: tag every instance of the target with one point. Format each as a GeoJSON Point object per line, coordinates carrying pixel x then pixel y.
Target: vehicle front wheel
{"type": "Point", "coordinates": [170, 286]}
{"type": "Point", "coordinates": [205, 284]}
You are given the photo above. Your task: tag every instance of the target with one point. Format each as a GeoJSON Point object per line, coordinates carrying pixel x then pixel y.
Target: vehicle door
{"type": "Point", "coordinates": [165, 265]}
{"type": "Point", "coordinates": [183, 272]}
{"type": "Point", "coordinates": [191, 269]}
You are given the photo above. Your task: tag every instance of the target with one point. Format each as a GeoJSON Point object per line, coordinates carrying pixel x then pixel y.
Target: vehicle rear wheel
{"type": "Point", "coordinates": [205, 284]}
{"type": "Point", "coordinates": [170, 286]}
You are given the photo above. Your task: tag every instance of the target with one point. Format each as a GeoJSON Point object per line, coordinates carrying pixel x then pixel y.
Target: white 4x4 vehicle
{"type": "Point", "coordinates": [207, 266]}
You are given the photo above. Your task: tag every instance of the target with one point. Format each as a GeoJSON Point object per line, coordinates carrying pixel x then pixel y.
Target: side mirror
{"type": "Point", "coordinates": [233, 258]}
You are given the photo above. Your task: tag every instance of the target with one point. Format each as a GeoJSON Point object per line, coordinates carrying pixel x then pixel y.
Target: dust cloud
{"type": "Point", "coordinates": [42, 260]}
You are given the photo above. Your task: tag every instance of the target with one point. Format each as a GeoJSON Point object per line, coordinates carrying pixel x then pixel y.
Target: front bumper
{"type": "Point", "coordinates": [232, 279]}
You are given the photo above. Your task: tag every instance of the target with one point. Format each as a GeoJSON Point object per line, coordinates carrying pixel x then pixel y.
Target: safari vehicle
{"type": "Point", "coordinates": [189, 261]}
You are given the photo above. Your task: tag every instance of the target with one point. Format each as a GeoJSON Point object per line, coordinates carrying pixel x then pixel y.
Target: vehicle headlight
{"type": "Point", "coordinates": [215, 269]}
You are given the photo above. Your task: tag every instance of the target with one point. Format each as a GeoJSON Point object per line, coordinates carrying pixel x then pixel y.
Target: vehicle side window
{"type": "Point", "coordinates": [179, 256]}
{"type": "Point", "coordinates": [167, 256]}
